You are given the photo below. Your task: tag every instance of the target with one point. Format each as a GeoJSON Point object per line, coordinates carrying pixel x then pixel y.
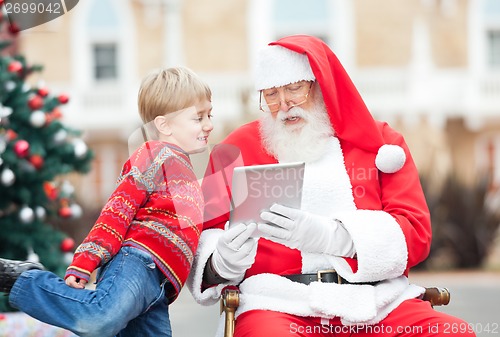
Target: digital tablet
{"type": "Point", "coordinates": [256, 188]}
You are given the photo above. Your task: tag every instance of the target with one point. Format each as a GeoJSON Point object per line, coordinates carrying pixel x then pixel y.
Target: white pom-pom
{"type": "Point", "coordinates": [390, 158]}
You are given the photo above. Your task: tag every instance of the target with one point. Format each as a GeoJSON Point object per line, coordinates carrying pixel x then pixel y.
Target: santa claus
{"type": "Point", "coordinates": [340, 262]}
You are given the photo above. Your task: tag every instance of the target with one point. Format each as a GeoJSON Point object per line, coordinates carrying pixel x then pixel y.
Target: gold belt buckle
{"type": "Point", "coordinates": [320, 272]}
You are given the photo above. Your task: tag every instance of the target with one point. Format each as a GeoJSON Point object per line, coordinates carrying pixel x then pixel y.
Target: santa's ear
{"type": "Point", "coordinates": [162, 125]}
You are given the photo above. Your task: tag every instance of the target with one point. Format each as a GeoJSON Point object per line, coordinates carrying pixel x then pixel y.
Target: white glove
{"type": "Point", "coordinates": [235, 252]}
{"type": "Point", "coordinates": [305, 231]}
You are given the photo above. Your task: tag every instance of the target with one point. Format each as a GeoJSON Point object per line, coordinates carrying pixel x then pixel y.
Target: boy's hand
{"type": "Point", "coordinates": [73, 282]}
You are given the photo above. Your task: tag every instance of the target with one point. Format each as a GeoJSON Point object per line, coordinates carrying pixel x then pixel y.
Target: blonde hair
{"type": "Point", "coordinates": [169, 90]}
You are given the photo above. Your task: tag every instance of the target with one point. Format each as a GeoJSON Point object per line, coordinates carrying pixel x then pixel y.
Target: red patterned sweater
{"type": "Point", "coordinates": [157, 206]}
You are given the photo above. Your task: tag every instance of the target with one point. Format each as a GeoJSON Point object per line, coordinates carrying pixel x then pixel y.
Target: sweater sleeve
{"type": "Point", "coordinates": [106, 236]}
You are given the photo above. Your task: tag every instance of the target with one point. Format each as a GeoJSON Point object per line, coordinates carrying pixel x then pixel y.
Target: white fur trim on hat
{"type": "Point", "coordinates": [390, 158]}
{"type": "Point", "coordinates": [277, 66]}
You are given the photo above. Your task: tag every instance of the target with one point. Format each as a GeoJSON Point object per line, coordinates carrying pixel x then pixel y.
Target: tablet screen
{"type": "Point", "coordinates": [256, 188]}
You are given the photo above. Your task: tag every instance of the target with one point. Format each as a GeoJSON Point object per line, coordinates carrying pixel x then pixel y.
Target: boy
{"type": "Point", "coordinates": [146, 235]}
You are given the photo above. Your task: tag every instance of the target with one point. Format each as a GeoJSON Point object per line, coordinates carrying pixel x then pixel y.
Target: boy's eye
{"type": "Point", "coordinates": [200, 118]}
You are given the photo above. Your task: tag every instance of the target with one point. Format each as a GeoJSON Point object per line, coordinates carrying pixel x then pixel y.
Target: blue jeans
{"type": "Point", "coordinates": [129, 299]}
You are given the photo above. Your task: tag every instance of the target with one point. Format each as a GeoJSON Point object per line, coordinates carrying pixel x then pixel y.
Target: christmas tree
{"type": "Point", "coordinates": [37, 153]}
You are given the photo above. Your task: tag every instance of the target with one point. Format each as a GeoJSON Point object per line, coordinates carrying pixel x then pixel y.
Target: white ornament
{"type": "Point", "coordinates": [76, 211]}
{"type": "Point", "coordinates": [3, 144]}
{"type": "Point", "coordinates": [60, 136]}
{"type": "Point", "coordinates": [32, 256]}
{"type": "Point", "coordinates": [68, 258]}
{"type": "Point", "coordinates": [40, 212]}
{"type": "Point", "coordinates": [390, 158]}
{"type": "Point", "coordinates": [67, 189]}
{"type": "Point", "coordinates": [26, 214]}
{"type": "Point", "coordinates": [38, 118]}
{"type": "Point", "coordinates": [8, 177]}
{"type": "Point", "coordinates": [10, 85]}
{"type": "Point", "coordinates": [80, 148]}
{"type": "Point", "coordinates": [5, 111]}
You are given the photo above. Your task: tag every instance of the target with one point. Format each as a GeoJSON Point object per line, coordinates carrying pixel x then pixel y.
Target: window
{"type": "Point", "coordinates": [494, 48]}
{"type": "Point", "coordinates": [301, 17]}
{"type": "Point", "coordinates": [330, 20]}
{"type": "Point", "coordinates": [104, 29]}
{"type": "Point", "coordinates": [491, 14]}
{"type": "Point", "coordinates": [105, 61]}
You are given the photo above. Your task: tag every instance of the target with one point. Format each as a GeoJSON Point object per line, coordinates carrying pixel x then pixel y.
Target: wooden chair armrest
{"type": "Point", "coordinates": [437, 296]}
{"type": "Point", "coordinates": [230, 300]}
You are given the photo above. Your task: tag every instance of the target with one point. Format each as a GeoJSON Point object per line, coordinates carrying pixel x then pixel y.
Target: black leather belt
{"type": "Point", "coordinates": [325, 276]}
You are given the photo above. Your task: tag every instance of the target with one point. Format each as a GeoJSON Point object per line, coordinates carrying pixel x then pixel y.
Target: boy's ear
{"type": "Point", "coordinates": [163, 126]}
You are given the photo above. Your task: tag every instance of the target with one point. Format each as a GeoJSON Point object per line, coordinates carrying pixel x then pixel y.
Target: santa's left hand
{"type": "Point", "coordinates": [308, 232]}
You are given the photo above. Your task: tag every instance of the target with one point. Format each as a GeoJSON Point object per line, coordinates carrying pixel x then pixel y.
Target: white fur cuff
{"type": "Point", "coordinates": [206, 247]}
{"type": "Point", "coordinates": [380, 246]}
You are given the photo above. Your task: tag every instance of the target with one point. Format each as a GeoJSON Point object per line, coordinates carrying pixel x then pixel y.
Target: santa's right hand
{"type": "Point", "coordinates": [235, 252]}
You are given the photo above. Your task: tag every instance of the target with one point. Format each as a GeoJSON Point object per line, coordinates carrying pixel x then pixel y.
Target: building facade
{"type": "Point", "coordinates": [431, 68]}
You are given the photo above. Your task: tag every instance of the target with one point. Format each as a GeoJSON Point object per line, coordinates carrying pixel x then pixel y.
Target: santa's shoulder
{"type": "Point", "coordinates": [391, 156]}
{"type": "Point", "coordinates": [389, 134]}
{"type": "Point", "coordinates": [246, 140]}
{"type": "Point", "coordinates": [244, 134]}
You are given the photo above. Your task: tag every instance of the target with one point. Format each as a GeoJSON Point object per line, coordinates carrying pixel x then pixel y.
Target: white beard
{"type": "Point", "coordinates": [304, 143]}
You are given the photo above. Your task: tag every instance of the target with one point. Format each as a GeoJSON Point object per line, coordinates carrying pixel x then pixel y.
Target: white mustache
{"type": "Point", "coordinates": [294, 112]}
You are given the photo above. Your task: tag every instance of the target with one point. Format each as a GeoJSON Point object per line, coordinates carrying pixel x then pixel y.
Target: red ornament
{"type": "Point", "coordinates": [65, 212]}
{"type": "Point", "coordinates": [35, 102]}
{"type": "Point", "coordinates": [67, 245]}
{"type": "Point", "coordinates": [43, 92]}
{"type": "Point", "coordinates": [63, 99]}
{"type": "Point", "coordinates": [55, 114]}
{"type": "Point", "coordinates": [15, 67]}
{"type": "Point", "coordinates": [37, 161]}
{"type": "Point", "coordinates": [22, 148]}
{"type": "Point", "coordinates": [14, 28]}
{"type": "Point", "coordinates": [50, 190]}
{"type": "Point", "coordinates": [11, 134]}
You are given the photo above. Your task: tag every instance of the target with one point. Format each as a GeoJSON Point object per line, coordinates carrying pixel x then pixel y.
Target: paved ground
{"type": "Point", "coordinates": [475, 297]}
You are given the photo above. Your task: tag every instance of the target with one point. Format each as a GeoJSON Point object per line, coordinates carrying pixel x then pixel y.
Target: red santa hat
{"type": "Point", "coordinates": [302, 57]}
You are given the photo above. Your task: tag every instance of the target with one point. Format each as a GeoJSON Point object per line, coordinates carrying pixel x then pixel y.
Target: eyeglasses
{"type": "Point", "coordinates": [295, 95]}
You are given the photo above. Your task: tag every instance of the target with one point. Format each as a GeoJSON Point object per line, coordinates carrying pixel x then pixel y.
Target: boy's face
{"type": "Point", "coordinates": [191, 127]}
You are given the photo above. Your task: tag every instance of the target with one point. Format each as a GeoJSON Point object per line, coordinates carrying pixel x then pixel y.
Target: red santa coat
{"type": "Point", "coordinates": [385, 213]}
